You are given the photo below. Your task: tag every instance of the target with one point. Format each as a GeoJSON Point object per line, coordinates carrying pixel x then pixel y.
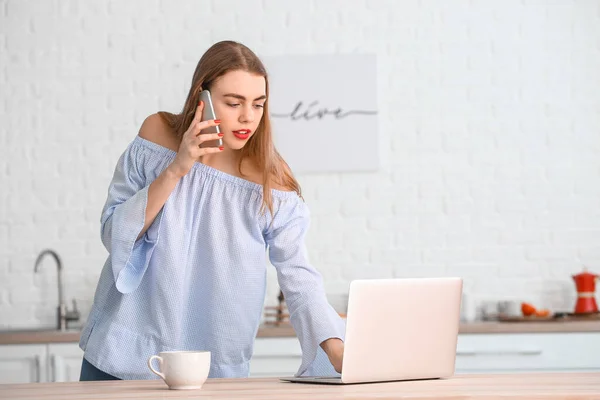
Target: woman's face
{"type": "Point", "coordinates": [238, 98]}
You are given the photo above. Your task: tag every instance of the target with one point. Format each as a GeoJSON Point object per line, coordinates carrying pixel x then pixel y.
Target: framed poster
{"type": "Point", "coordinates": [324, 111]}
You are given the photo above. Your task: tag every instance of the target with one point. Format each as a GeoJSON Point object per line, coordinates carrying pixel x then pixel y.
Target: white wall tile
{"type": "Point", "coordinates": [489, 119]}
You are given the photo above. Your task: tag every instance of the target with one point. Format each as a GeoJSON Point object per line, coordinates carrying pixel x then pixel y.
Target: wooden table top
{"type": "Point", "coordinates": [524, 386]}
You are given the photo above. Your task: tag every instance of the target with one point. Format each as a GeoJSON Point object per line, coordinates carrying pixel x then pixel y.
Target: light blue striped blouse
{"type": "Point", "coordinates": [196, 279]}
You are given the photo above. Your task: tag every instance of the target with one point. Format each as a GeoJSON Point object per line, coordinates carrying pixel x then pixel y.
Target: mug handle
{"type": "Point", "coordinates": [160, 361]}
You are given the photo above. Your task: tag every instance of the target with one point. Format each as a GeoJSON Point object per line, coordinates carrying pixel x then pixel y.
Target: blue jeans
{"type": "Point", "coordinates": [91, 373]}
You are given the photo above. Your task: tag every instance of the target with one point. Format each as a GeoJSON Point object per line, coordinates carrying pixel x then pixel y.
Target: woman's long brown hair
{"type": "Point", "coordinates": [219, 59]}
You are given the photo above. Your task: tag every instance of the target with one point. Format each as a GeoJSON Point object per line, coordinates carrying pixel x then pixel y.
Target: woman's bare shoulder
{"type": "Point", "coordinates": [253, 173]}
{"type": "Point", "coordinates": [156, 130]}
{"type": "Point", "coordinates": [277, 186]}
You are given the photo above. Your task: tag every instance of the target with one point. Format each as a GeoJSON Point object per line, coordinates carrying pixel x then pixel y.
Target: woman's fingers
{"type": "Point", "coordinates": [198, 113]}
{"type": "Point", "coordinates": [196, 127]}
{"type": "Point", "coordinates": [205, 124]}
{"type": "Point", "coordinates": [208, 136]}
{"type": "Point", "coordinates": [209, 150]}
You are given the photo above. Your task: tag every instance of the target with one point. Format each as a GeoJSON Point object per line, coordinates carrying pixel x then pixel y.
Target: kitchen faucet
{"type": "Point", "coordinates": [64, 315]}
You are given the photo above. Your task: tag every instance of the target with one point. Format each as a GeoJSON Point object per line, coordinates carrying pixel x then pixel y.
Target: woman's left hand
{"type": "Point", "coordinates": [334, 348]}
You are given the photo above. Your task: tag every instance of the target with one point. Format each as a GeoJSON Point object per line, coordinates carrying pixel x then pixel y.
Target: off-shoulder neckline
{"type": "Point", "coordinates": [223, 176]}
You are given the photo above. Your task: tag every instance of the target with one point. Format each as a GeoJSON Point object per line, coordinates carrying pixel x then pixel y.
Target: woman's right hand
{"type": "Point", "coordinates": [189, 149]}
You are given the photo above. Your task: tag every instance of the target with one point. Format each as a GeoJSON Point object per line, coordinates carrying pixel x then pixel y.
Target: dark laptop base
{"type": "Point", "coordinates": [337, 380]}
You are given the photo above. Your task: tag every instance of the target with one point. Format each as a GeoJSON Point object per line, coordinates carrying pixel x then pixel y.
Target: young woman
{"type": "Point", "coordinates": [187, 229]}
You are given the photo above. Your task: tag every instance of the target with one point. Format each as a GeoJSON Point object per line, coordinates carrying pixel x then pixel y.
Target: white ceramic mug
{"type": "Point", "coordinates": [182, 369]}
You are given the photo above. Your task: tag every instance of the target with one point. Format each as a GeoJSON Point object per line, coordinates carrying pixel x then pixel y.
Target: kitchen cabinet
{"type": "Point", "coordinates": [528, 352]}
{"type": "Point", "coordinates": [275, 357]}
{"type": "Point", "coordinates": [61, 362]}
{"type": "Point", "coordinates": [64, 362]}
{"type": "Point", "coordinates": [23, 363]}
{"type": "Point", "coordinates": [475, 353]}
{"type": "Point", "coordinates": [30, 363]}
{"type": "Point", "coordinates": [281, 356]}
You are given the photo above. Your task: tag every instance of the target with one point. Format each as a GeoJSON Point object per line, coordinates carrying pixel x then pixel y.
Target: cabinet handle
{"type": "Point", "coordinates": [53, 367]}
{"type": "Point", "coordinates": [524, 352]}
{"type": "Point", "coordinates": [36, 362]}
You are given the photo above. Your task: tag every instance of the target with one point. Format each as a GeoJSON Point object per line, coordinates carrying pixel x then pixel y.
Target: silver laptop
{"type": "Point", "coordinates": [399, 329]}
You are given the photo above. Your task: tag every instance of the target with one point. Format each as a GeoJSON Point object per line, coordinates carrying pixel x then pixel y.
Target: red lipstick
{"type": "Point", "coordinates": [242, 134]}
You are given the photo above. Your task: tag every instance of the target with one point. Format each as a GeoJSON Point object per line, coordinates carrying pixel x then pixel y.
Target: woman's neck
{"type": "Point", "coordinates": [228, 161]}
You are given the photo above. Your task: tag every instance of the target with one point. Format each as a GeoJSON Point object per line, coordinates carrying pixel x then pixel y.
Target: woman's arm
{"type": "Point", "coordinates": [318, 326]}
{"type": "Point", "coordinates": [153, 129]}
{"type": "Point", "coordinates": [334, 348]}
{"type": "Point", "coordinates": [158, 193]}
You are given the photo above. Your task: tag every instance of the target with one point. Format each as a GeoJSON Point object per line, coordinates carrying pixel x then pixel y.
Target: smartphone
{"type": "Point", "coordinates": [208, 114]}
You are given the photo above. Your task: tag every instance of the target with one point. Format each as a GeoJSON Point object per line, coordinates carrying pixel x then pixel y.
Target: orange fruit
{"type": "Point", "coordinates": [527, 309]}
{"type": "Point", "coordinates": [542, 313]}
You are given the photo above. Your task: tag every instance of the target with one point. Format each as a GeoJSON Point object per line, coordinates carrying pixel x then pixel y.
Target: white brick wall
{"type": "Point", "coordinates": [489, 123]}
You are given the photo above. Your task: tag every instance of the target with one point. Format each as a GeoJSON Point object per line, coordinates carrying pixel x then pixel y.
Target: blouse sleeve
{"type": "Point", "coordinates": [123, 218]}
{"type": "Point", "coordinates": [311, 315]}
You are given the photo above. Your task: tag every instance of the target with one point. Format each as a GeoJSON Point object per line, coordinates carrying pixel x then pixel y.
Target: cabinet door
{"type": "Point", "coordinates": [528, 352]}
{"type": "Point", "coordinates": [64, 362]}
{"type": "Point", "coordinates": [23, 363]}
{"type": "Point", "coordinates": [275, 357]}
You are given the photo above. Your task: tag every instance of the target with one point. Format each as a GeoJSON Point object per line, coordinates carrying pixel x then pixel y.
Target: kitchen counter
{"type": "Point", "coordinates": [39, 336]}
{"type": "Point", "coordinates": [482, 327]}
{"type": "Point", "coordinates": [531, 327]}
{"type": "Point", "coordinates": [71, 336]}
{"type": "Point", "coordinates": [529, 386]}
